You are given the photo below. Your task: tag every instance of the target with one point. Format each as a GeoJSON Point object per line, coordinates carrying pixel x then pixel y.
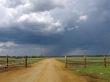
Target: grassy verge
{"type": "Point", "coordinates": [95, 72]}
{"type": "Point", "coordinates": [34, 60]}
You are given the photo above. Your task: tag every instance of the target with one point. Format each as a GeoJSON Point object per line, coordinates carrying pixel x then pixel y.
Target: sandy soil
{"type": "Point", "coordinates": [48, 70]}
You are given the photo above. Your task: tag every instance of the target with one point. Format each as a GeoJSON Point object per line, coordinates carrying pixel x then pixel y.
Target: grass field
{"type": "Point", "coordinates": [94, 71]}
{"type": "Point", "coordinates": [34, 60]}
{"type": "Point", "coordinates": [17, 62]}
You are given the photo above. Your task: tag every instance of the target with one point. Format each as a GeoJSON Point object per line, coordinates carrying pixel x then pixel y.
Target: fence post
{"type": "Point", "coordinates": [65, 61]}
{"type": "Point", "coordinates": [26, 63]}
{"type": "Point", "coordinates": [105, 62]}
{"type": "Point", "coordinates": [85, 61]}
{"type": "Point", "coordinates": [7, 61]}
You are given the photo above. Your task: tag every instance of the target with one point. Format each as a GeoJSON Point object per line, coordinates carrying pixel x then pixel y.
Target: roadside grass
{"type": "Point", "coordinates": [34, 60]}
{"type": "Point", "coordinates": [94, 71]}
{"type": "Point", "coordinates": [17, 62]}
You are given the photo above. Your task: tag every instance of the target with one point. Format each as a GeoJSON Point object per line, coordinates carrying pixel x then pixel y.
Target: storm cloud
{"type": "Point", "coordinates": [53, 27]}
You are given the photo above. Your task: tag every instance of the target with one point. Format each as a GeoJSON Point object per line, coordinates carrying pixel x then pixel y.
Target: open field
{"type": "Point", "coordinates": [95, 67]}
{"type": "Point", "coordinates": [7, 63]}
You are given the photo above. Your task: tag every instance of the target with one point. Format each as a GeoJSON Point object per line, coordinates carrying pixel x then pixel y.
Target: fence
{"type": "Point", "coordinates": [86, 60]}
{"type": "Point", "coordinates": [8, 62]}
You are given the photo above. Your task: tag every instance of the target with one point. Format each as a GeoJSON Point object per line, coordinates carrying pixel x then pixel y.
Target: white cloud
{"type": "Point", "coordinates": [73, 28]}
{"type": "Point", "coordinates": [7, 44]}
{"type": "Point", "coordinates": [33, 5]}
{"type": "Point", "coordinates": [30, 15]}
{"type": "Point", "coordinates": [11, 3]}
{"type": "Point", "coordinates": [83, 18]}
{"type": "Point", "coordinates": [42, 21]}
{"type": "Point", "coordinates": [6, 47]}
{"type": "Point", "coordinates": [8, 16]}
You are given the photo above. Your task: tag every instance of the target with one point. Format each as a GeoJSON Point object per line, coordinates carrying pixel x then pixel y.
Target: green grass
{"type": "Point", "coordinates": [95, 69]}
{"type": "Point", "coordinates": [19, 61]}
{"type": "Point", "coordinates": [34, 60]}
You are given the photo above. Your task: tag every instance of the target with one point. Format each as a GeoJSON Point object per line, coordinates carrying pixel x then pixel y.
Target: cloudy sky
{"type": "Point", "coordinates": [54, 27]}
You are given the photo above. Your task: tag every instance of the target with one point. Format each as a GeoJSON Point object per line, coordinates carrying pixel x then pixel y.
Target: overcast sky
{"type": "Point", "coordinates": [54, 27]}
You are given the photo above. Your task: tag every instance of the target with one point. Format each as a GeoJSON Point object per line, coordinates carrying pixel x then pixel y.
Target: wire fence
{"type": "Point", "coordinates": [10, 62]}
{"type": "Point", "coordinates": [85, 61]}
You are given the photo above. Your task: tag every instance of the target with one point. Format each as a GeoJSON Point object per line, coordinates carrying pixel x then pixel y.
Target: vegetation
{"type": "Point", "coordinates": [95, 70]}
{"type": "Point", "coordinates": [34, 60]}
{"type": "Point", "coordinates": [18, 61]}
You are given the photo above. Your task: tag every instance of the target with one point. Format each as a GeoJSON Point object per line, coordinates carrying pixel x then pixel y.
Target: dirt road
{"type": "Point", "coordinates": [48, 70]}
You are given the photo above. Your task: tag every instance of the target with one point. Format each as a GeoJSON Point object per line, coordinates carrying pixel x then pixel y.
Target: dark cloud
{"type": "Point", "coordinates": [81, 27]}
{"type": "Point", "coordinates": [13, 3]}
{"type": "Point", "coordinates": [26, 37]}
{"type": "Point", "coordinates": [41, 5]}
